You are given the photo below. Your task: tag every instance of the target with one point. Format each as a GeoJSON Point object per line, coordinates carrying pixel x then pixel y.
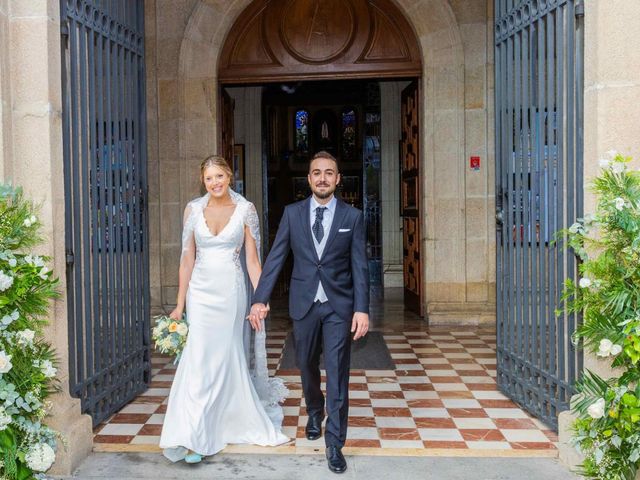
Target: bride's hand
{"type": "Point", "coordinates": [176, 314]}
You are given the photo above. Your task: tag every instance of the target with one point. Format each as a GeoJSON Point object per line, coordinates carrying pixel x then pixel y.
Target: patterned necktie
{"type": "Point", "coordinates": [318, 230]}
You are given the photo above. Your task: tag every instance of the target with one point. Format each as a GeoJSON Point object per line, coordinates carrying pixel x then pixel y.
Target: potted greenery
{"type": "Point", "coordinates": [607, 295]}
{"type": "Point", "coordinates": [27, 362]}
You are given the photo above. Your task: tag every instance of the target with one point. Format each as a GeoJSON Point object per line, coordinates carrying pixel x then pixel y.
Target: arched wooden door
{"type": "Point", "coordinates": [285, 40]}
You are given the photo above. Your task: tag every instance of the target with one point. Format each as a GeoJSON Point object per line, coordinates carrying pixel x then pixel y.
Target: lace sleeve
{"type": "Point", "coordinates": [252, 221]}
{"type": "Point", "coordinates": [188, 224]}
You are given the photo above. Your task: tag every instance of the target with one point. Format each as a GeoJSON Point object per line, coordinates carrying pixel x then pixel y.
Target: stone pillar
{"type": "Point", "coordinates": [31, 156]}
{"type": "Point", "coordinates": [390, 167]}
{"type": "Point", "coordinates": [611, 118]}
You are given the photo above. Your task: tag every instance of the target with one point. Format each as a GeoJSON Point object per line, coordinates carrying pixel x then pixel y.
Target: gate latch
{"type": "Point", "coordinates": [69, 258]}
{"type": "Point", "coordinates": [499, 216]}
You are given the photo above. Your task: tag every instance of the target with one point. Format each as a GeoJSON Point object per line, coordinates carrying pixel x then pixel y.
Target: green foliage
{"type": "Point", "coordinates": [607, 295]}
{"type": "Point", "coordinates": [27, 362]}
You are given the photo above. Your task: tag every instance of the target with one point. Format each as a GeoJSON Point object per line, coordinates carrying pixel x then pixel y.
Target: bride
{"type": "Point", "coordinates": [218, 397]}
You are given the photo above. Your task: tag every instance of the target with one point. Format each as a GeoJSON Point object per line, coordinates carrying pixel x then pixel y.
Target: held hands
{"type": "Point", "coordinates": [258, 313]}
{"type": "Point", "coordinates": [360, 325]}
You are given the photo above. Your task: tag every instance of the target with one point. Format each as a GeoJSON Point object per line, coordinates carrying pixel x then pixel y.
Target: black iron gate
{"type": "Point", "coordinates": [105, 184]}
{"type": "Point", "coordinates": [539, 91]}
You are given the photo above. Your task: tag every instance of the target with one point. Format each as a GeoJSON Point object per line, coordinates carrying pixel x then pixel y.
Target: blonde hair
{"type": "Point", "coordinates": [215, 161]}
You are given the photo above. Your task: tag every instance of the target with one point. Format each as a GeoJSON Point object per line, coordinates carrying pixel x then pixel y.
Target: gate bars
{"type": "Point", "coordinates": [539, 190]}
{"type": "Point", "coordinates": [105, 181]}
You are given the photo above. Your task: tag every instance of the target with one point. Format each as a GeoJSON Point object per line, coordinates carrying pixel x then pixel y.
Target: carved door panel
{"type": "Point", "coordinates": [410, 197]}
{"type": "Point", "coordinates": [227, 105]}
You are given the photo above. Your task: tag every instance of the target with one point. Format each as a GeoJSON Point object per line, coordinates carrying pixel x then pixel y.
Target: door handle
{"type": "Point", "coordinates": [499, 216]}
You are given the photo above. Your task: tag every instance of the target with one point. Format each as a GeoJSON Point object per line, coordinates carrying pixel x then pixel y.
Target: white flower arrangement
{"type": "Point", "coordinates": [5, 281]}
{"type": "Point", "coordinates": [585, 282]}
{"type": "Point", "coordinates": [5, 362]}
{"type": "Point", "coordinates": [596, 409]}
{"type": "Point", "coordinates": [40, 457]}
{"type": "Point", "coordinates": [620, 203]}
{"type": "Point", "coordinates": [608, 348]}
{"type": "Point", "coordinates": [25, 337]}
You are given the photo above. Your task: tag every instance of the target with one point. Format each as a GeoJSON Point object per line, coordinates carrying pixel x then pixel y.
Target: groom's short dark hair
{"type": "Point", "coordinates": [327, 155]}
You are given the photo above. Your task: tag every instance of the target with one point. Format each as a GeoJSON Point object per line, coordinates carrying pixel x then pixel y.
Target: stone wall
{"type": "Point", "coordinates": [31, 156]}
{"type": "Point", "coordinates": [184, 39]}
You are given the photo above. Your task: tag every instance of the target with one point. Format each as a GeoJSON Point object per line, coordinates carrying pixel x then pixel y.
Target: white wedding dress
{"type": "Point", "coordinates": [217, 396]}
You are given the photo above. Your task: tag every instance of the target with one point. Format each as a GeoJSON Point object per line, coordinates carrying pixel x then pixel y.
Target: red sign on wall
{"type": "Point", "coordinates": [474, 163]}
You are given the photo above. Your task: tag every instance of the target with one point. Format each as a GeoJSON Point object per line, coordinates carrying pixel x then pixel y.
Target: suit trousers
{"type": "Point", "coordinates": [322, 330]}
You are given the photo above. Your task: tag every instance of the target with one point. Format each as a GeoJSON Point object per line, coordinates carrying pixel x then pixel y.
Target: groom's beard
{"type": "Point", "coordinates": [323, 194]}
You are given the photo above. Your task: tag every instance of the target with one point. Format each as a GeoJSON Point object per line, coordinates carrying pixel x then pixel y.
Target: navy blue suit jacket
{"type": "Point", "coordinates": [343, 268]}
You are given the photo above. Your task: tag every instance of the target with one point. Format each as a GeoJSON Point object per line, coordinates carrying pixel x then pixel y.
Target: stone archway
{"type": "Point", "coordinates": [442, 136]}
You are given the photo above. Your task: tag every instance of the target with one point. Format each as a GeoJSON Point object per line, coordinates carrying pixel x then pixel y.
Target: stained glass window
{"type": "Point", "coordinates": [302, 132]}
{"type": "Point", "coordinates": [348, 134]}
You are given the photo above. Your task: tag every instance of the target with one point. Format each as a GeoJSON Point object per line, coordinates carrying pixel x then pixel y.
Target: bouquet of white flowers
{"type": "Point", "coordinates": [170, 336]}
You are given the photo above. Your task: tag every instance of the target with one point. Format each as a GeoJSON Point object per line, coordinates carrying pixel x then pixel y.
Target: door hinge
{"type": "Point", "coordinates": [579, 8]}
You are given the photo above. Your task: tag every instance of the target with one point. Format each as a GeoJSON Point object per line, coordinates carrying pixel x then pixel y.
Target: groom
{"type": "Point", "coordinates": [328, 297]}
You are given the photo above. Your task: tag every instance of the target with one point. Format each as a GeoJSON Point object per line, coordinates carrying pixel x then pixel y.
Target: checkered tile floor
{"type": "Point", "coordinates": [442, 397]}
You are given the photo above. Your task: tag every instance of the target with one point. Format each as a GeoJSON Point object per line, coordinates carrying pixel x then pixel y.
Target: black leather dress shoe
{"type": "Point", "coordinates": [335, 459]}
{"type": "Point", "coordinates": [314, 427]}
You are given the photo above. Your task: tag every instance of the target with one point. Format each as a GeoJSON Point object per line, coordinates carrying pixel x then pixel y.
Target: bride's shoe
{"type": "Point", "coordinates": [193, 457]}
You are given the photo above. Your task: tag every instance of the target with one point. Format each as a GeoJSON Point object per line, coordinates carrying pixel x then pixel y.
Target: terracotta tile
{"type": "Point", "coordinates": [292, 402]}
{"type": "Point", "coordinates": [497, 404]}
{"type": "Point", "coordinates": [356, 386]}
{"type": "Point", "coordinates": [371, 379]}
{"type": "Point", "coordinates": [434, 423]}
{"type": "Point", "coordinates": [399, 434]}
{"type": "Point", "coordinates": [391, 412]}
{"type": "Point", "coordinates": [442, 444]}
{"type": "Point", "coordinates": [532, 446]}
{"type": "Point", "coordinates": [467, 413]}
{"type": "Point", "coordinates": [160, 384]}
{"type": "Point", "coordinates": [417, 387]}
{"type": "Point", "coordinates": [410, 373]}
{"type": "Point", "coordinates": [482, 435]}
{"type": "Point", "coordinates": [113, 438]}
{"type": "Point", "coordinates": [454, 394]}
{"type": "Point", "coordinates": [359, 402]}
{"type": "Point", "coordinates": [150, 430]}
{"type": "Point", "coordinates": [362, 443]}
{"type": "Point", "coordinates": [290, 421]}
{"type": "Point", "coordinates": [148, 399]}
{"type": "Point", "coordinates": [386, 395]}
{"type": "Point", "coordinates": [362, 422]}
{"type": "Point", "coordinates": [472, 373]}
{"type": "Point", "coordinates": [425, 403]}
{"type": "Point", "coordinates": [482, 386]}
{"type": "Point", "coordinates": [446, 380]}
{"type": "Point", "coordinates": [406, 361]}
{"type": "Point", "coordinates": [130, 418]}
{"type": "Point", "coordinates": [513, 423]}
{"type": "Point", "coordinates": [288, 372]}
{"type": "Point", "coordinates": [551, 435]}
{"type": "Point", "coordinates": [300, 432]}
{"type": "Point", "coordinates": [162, 409]}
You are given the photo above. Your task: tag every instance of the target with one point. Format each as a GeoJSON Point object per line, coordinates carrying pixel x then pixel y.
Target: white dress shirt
{"type": "Point", "coordinates": [327, 220]}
